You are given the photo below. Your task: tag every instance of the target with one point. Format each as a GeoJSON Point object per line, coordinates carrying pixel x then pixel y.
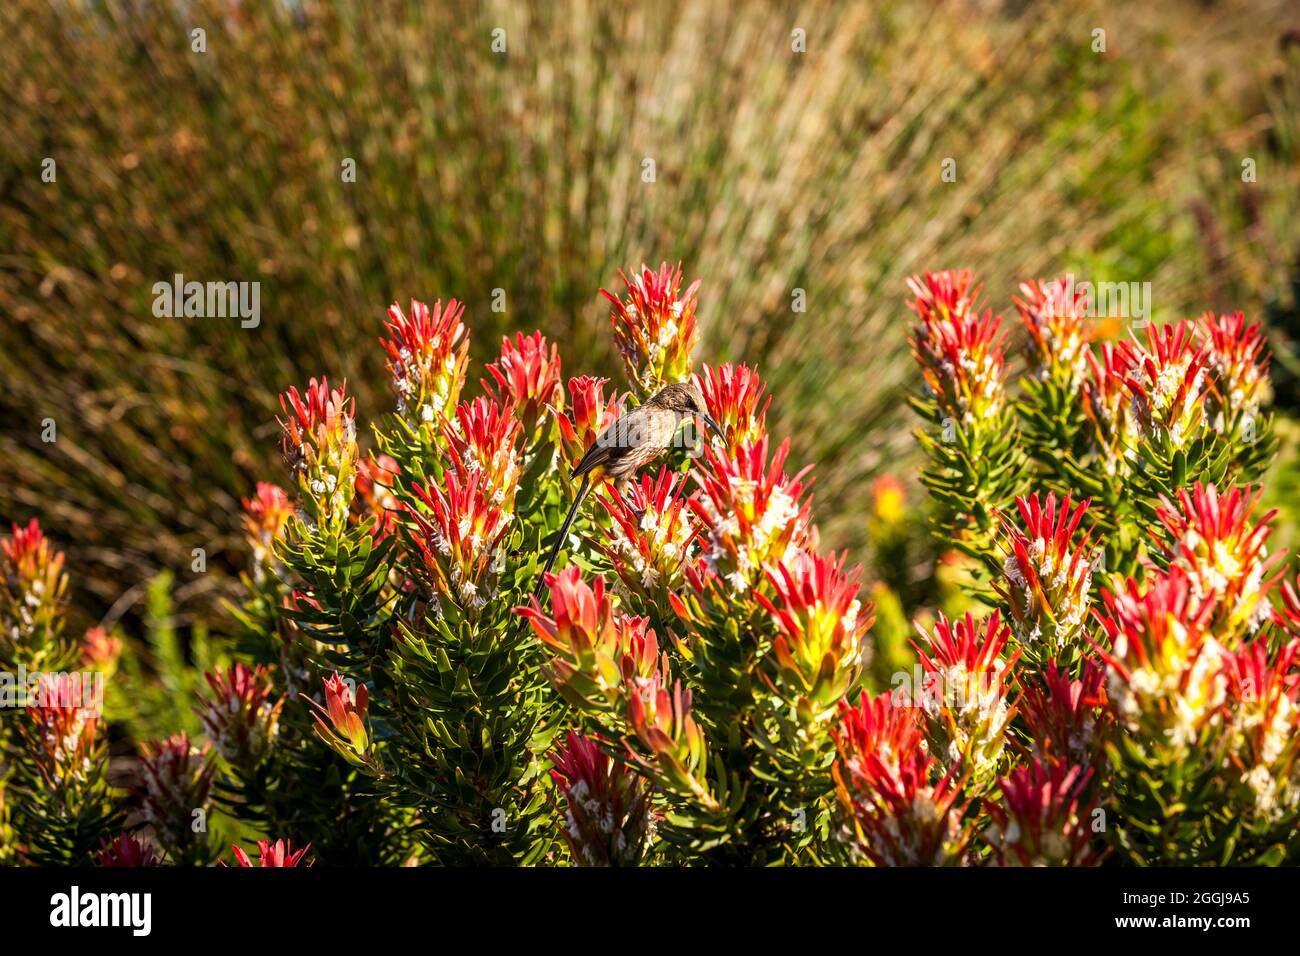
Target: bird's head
{"type": "Point", "coordinates": [685, 398]}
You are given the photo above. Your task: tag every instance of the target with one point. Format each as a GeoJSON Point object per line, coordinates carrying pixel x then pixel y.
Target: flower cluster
{"type": "Point", "coordinates": [1167, 380]}
{"type": "Point", "coordinates": [376, 476]}
{"type": "Point", "coordinates": [320, 445]}
{"type": "Point", "coordinates": [751, 514]}
{"type": "Point", "coordinates": [1043, 818]}
{"type": "Point", "coordinates": [527, 379]}
{"type": "Point", "coordinates": [651, 534]}
{"type": "Point", "coordinates": [278, 854]}
{"type": "Point", "coordinates": [590, 414]}
{"type": "Point", "coordinates": [1238, 365]}
{"type": "Point", "coordinates": [428, 355]}
{"type": "Point", "coordinates": [265, 516]}
{"type": "Point", "coordinates": [606, 806]}
{"type": "Point", "coordinates": [62, 731]}
{"type": "Point", "coordinates": [1265, 727]}
{"type": "Point", "coordinates": [127, 852]}
{"type": "Point", "coordinates": [482, 440]}
{"type": "Point", "coordinates": [1223, 553]}
{"type": "Point", "coordinates": [960, 351]}
{"type": "Point", "coordinates": [733, 396]}
{"type": "Point", "coordinates": [964, 691]}
{"type": "Point", "coordinates": [32, 590]}
{"type": "Point", "coordinates": [342, 721]}
{"type": "Point", "coordinates": [175, 780]}
{"type": "Point", "coordinates": [1109, 408]}
{"type": "Point", "coordinates": [100, 650]}
{"type": "Point", "coordinates": [458, 529]}
{"type": "Point", "coordinates": [902, 811]}
{"type": "Point", "coordinates": [599, 653]}
{"type": "Point", "coordinates": [240, 717]}
{"type": "Point", "coordinates": [820, 627]}
{"type": "Point", "coordinates": [1048, 576]}
{"type": "Point", "coordinates": [1054, 315]}
{"type": "Point", "coordinates": [1166, 682]}
{"type": "Point", "coordinates": [608, 665]}
{"type": "Point", "coordinates": [655, 327]}
{"type": "Point", "coordinates": [1063, 715]}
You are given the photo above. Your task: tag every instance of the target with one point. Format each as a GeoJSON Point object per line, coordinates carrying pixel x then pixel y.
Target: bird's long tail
{"type": "Point", "coordinates": [564, 533]}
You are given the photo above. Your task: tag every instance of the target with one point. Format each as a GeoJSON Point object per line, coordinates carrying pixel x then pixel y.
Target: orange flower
{"type": "Point", "coordinates": [345, 709]}
{"type": "Point", "coordinates": [598, 652]}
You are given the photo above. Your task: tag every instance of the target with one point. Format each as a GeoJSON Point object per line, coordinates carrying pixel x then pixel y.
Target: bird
{"type": "Point", "coordinates": [630, 443]}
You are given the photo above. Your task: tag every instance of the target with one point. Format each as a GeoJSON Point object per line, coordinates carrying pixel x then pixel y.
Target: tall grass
{"type": "Point", "coordinates": [478, 171]}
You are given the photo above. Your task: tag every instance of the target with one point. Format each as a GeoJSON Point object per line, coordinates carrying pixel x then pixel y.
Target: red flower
{"type": "Point", "coordinates": [752, 515]}
{"type": "Point", "coordinates": [62, 730]}
{"type": "Point", "coordinates": [676, 756]}
{"type": "Point", "coordinates": [481, 440]}
{"type": "Point", "coordinates": [1054, 314]}
{"type": "Point", "coordinates": [1043, 818]}
{"type": "Point", "coordinates": [345, 709]}
{"type": "Point", "coordinates": [265, 517]}
{"type": "Point", "coordinates": [733, 397]}
{"type": "Point", "coordinates": [651, 534]}
{"type": "Point", "coordinates": [1109, 408]}
{"type": "Point", "coordinates": [428, 354]}
{"type": "Point", "coordinates": [1167, 379]}
{"type": "Point", "coordinates": [320, 445]}
{"type": "Point", "coordinates": [1238, 364]}
{"type": "Point", "coordinates": [655, 328]}
{"type": "Point", "coordinates": [607, 807]}
{"type": "Point", "coordinates": [126, 851]}
{"type": "Point", "coordinates": [527, 379]}
{"type": "Point", "coordinates": [965, 689]}
{"type": "Point", "coordinates": [1048, 576]}
{"type": "Point", "coordinates": [960, 351]}
{"type": "Point", "coordinates": [1166, 680]}
{"type": "Point", "coordinates": [32, 589]}
{"type": "Point", "coordinates": [1062, 715]}
{"type": "Point", "coordinates": [458, 537]}
{"type": "Point", "coordinates": [591, 414]}
{"type": "Point", "coordinates": [175, 779]}
{"type": "Point", "coordinates": [240, 717]}
{"type": "Point", "coordinates": [281, 854]}
{"type": "Point", "coordinates": [903, 811]}
{"type": "Point", "coordinates": [1224, 554]}
{"type": "Point", "coordinates": [1262, 695]}
{"type": "Point", "coordinates": [598, 652]}
{"type": "Point", "coordinates": [820, 631]}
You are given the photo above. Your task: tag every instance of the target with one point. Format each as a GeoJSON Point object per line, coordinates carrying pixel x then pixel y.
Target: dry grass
{"type": "Point", "coordinates": [774, 170]}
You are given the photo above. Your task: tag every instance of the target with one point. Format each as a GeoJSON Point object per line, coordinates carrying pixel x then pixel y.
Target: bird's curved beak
{"type": "Point", "coordinates": [714, 427]}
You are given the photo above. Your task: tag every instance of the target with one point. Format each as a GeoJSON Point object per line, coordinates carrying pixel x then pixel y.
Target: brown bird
{"type": "Point", "coordinates": [630, 443]}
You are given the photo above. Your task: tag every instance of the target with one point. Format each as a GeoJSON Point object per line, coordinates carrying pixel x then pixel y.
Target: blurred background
{"type": "Point", "coordinates": [775, 170]}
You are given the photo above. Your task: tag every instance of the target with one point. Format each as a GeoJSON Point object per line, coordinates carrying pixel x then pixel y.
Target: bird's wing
{"type": "Point", "coordinates": [623, 433]}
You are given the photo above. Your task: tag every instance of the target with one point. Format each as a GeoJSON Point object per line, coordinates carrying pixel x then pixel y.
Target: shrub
{"type": "Point", "coordinates": [696, 683]}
